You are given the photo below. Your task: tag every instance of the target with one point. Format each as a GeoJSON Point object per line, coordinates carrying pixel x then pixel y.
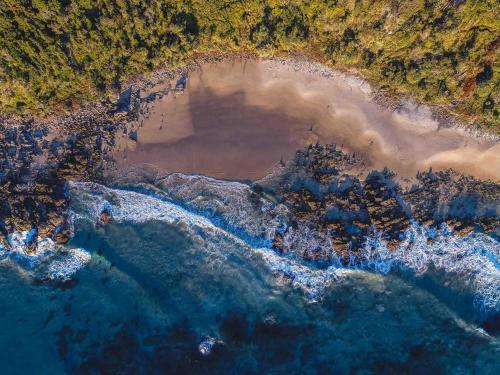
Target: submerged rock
{"type": "Point", "coordinates": [105, 215]}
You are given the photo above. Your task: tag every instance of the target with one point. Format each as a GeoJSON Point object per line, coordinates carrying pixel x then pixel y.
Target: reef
{"type": "Point", "coordinates": [322, 205]}
{"type": "Point", "coordinates": [337, 208]}
{"type": "Point", "coordinates": [39, 156]}
{"type": "Point", "coordinates": [36, 162]}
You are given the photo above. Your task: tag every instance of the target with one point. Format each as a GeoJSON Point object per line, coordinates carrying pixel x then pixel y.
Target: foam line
{"type": "Point", "coordinates": [473, 260]}
{"type": "Point", "coordinates": [50, 262]}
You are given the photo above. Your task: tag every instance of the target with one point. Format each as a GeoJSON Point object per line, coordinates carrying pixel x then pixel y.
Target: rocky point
{"type": "Point", "coordinates": [336, 209]}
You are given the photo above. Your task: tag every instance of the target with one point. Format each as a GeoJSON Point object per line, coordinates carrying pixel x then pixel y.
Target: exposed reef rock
{"type": "Point", "coordinates": [321, 205]}
{"type": "Point", "coordinates": [39, 157]}
{"type": "Point", "coordinates": [35, 164]}
{"type": "Point", "coordinates": [462, 202]}
{"type": "Point", "coordinates": [336, 211]}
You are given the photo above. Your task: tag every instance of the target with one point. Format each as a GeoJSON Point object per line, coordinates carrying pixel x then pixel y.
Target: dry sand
{"type": "Point", "coordinates": [237, 119]}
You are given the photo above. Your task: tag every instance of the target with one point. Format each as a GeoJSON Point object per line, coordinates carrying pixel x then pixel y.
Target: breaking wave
{"type": "Point", "coordinates": [51, 261]}
{"type": "Point", "coordinates": [472, 261]}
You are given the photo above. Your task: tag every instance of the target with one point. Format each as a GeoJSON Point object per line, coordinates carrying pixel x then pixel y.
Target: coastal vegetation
{"type": "Point", "coordinates": [56, 54]}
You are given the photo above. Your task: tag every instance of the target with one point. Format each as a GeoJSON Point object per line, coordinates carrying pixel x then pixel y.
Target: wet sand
{"type": "Point", "coordinates": [237, 119]}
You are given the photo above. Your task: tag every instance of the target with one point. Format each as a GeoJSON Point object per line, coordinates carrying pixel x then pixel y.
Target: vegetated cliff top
{"type": "Point", "coordinates": [57, 53]}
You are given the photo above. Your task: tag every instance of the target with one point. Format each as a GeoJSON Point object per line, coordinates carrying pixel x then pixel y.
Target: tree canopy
{"type": "Point", "coordinates": [56, 52]}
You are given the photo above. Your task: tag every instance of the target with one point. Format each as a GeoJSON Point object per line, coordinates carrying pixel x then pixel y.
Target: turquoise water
{"type": "Point", "coordinates": [164, 290]}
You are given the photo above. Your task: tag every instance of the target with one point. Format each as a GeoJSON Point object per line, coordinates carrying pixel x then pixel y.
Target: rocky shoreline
{"type": "Point", "coordinates": [339, 211]}
{"type": "Point", "coordinates": [38, 157]}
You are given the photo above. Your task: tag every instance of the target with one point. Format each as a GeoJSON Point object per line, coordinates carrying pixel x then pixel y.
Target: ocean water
{"type": "Point", "coordinates": [171, 287]}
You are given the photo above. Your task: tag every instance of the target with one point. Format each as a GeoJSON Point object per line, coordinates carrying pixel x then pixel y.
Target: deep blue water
{"type": "Point", "coordinates": [163, 291]}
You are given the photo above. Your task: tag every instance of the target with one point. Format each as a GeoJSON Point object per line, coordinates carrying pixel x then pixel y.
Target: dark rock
{"type": "Point", "coordinates": [105, 215]}
{"type": "Point", "coordinates": [33, 189]}
{"type": "Point", "coordinates": [133, 135]}
{"type": "Point", "coordinates": [323, 197]}
{"type": "Point", "coordinates": [123, 104]}
{"type": "Point", "coordinates": [492, 325]}
{"type": "Point", "coordinates": [181, 82]}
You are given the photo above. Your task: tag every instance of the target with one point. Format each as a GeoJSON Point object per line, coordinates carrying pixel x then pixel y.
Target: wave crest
{"type": "Point", "coordinates": [472, 260]}
{"type": "Point", "coordinates": [51, 261]}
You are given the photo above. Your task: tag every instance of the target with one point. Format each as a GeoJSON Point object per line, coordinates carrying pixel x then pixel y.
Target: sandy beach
{"type": "Point", "coordinates": [237, 118]}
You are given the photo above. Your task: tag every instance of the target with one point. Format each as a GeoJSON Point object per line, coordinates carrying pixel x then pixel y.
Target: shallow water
{"type": "Point", "coordinates": [237, 119]}
{"type": "Point", "coordinates": [168, 290]}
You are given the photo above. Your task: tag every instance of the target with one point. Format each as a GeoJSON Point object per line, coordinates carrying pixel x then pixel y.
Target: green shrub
{"type": "Point", "coordinates": [54, 53]}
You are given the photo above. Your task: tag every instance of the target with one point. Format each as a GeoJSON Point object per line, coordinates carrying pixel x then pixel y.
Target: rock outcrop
{"type": "Point", "coordinates": [336, 211]}
{"type": "Point", "coordinates": [320, 205]}
{"type": "Point", "coordinates": [35, 164]}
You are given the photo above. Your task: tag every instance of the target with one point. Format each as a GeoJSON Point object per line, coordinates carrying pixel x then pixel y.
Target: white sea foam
{"type": "Point", "coordinates": [19, 249]}
{"type": "Point", "coordinates": [50, 261]}
{"type": "Point", "coordinates": [234, 203]}
{"type": "Point", "coordinates": [66, 264]}
{"type": "Point", "coordinates": [133, 207]}
{"type": "Point", "coordinates": [473, 260]}
{"type": "Point", "coordinates": [129, 206]}
{"type": "Point", "coordinates": [207, 345]}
